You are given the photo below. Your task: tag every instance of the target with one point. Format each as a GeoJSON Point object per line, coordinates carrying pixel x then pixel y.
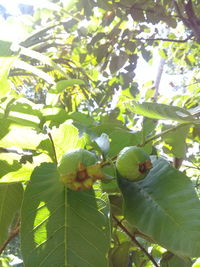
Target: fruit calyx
{"type": "Point", "coordinates": [79, 170]}
{"type": "Point", "coordinates": [145, 166]}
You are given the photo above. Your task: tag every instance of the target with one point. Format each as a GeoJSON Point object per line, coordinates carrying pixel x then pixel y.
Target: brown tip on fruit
{"type": "Point", "coordinates": [145, 166]}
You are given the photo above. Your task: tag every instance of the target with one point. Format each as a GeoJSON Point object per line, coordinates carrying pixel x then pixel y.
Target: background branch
{"type": "Point", "coordinates": [13, 234]}
{"type": "Point", "coordinates": [134, 240]}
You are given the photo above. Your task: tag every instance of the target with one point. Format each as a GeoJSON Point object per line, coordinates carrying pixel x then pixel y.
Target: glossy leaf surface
{"type": "Point", "coordinates": [165, 206]}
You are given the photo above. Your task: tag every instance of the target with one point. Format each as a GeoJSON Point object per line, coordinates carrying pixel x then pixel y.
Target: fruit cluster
{"type": "Point", "coordinates": [79, 168]}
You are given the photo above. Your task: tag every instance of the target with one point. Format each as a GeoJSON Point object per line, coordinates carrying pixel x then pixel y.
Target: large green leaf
{"type": "Point", "coordinates": [165, 206]}
{"type": "Point", "coordinates": [160, 111]}
{"type": "Point", "coordinates": [61, 227]}
{"type": "Point", "coordinates": [10, 203]}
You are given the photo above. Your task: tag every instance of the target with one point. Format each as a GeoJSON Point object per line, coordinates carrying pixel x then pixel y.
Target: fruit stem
{"type": "Point", "coordinates": [108, 162]}
{"type": "Point", "coordinates": [134, 240]}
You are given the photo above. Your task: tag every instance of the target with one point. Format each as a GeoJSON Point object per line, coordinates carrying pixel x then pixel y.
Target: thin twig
{"type": "Point", "coordinates": [53, 146]}
{"type": "Point", "coordinates": [135, 241]}
{"type": "Point", "coordinates": [158, 78]}
{"type": "Point", "coordinates": [13, 234]}
{"type": "Point", "coordinates": [164, 132]}
{"type": "Point", "coordinates": [108, 162]}
{"type": "Point", "coordinates": [164, 39]}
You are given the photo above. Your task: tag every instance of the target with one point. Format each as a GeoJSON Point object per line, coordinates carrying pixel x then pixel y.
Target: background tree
{"type": "Point", "coordinates": [72, 83]}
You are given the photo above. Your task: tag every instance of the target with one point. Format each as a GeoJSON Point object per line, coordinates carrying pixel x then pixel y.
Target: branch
{"type": "Point", "coordinates": [158, 78]}
{"type": "Point", "coordinates": [164, 39]}
{"type": "Point", "coordinates": [134, 240]}
{"type": "Point", "coordinates": [53, 146]}
{"type": "Point", "coordinates": [13, 234]}
{"type": "Point", "coordinates": [163, 133]}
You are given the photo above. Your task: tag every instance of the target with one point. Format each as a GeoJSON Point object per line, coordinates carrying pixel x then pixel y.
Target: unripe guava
{"type": "Point", "coordinates": [133, 163]}
{"type": "Point", "coordinates": [78, 169]}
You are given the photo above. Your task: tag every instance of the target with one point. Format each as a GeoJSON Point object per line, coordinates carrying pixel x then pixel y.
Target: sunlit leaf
{"type": "Point", "coordinates": [160, 111]}
{"type": "Point", "coordinates": [21, 137]}
{"type": "Point", "coordinates": [61, 227]}
{"type": "Point", "coordinates": [63, 84]}
{"type": "Point", "coordinates": [65, 138]}
{"type": "Point", "coordinates": [36, 71]}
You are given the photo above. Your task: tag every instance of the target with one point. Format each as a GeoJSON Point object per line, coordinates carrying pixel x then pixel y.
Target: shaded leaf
{"type": "Point", "coordinates": [117, 62]}
{"type": "Point", "coordinates": [10, 202]}
{"type": "Point", "coordinates": [120, 255]}
{"type": "Point", "coordinates": [165, 206]}
{"type": "Point", "coordinates": [103, 143]}
{"type": "Point", "coordinates": [171, 260]}
{"type": "Point", "coordinates": [176, 139]}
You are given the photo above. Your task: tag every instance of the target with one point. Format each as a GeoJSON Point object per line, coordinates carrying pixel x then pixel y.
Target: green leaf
{"type": "Point", "coordinates": [36, 71]}
{"type": "Point", "coordinates": [21, 137]}
{"type": "Point", "coordinates": [160, 111]}
{"type": "Point", "coordinates": [120, 255]}
{"type": "Point", "coordinates": [171, 260]}
{"type": "Point", "coordinates": [45, 146]}
{"type": "Point", "coordinates": [61, 227]}
{"type": "Point", "coordinates": [65, 138]}
{"type": "Point", "coordinates": [40, 57]}
{"type": "Point", "coordinates": [117, 62]}
{"type": "Point", "coordinates": [22, 174]}
{"type": "Point", "coordinates": [4, 127]}
{"type": "Point", "coordinates": [5, 50]}
{"type": "Point", "coordinates": [121, 138]}
{"type": "Point", "coordinates": [176, 139]}
{"type": "Point", "coordinates": [5, 167]}
{"type": "Point", "coordinates": [165, 206]}
{"type": "Point", "coordinates": [10, 203]}
{"type": "Point", "coordinates": [103, 143]}
{"type": "Point", "coordinates": [63, 84]}
{"type": "Point", "coordinates": [23, 112]}
{"type": "Point", "coordinates": [7, 59]}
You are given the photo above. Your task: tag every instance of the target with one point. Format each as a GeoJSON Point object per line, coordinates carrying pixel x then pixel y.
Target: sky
{"type": "Point", "coordinates": [16, 31]}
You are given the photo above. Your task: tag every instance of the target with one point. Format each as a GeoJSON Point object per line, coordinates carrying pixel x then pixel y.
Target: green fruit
{"type": "Point", "coordinates": [71, 160]}
{"type": "Point", "coordinates": [79, 170]}
{"type": "Point", "coordinates": [133, 163]}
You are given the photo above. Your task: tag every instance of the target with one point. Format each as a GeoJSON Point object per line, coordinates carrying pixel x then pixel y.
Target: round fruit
{"type": "Point", "coordinates": [133, 163]}
{"type": "Point", "coordinates": [79, 170]}
{"type": "Point", "coordinates": [70, 160]}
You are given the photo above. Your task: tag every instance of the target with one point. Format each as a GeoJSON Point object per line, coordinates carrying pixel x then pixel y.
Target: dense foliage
{"type": "Point", "coordinates": [71, 81]}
